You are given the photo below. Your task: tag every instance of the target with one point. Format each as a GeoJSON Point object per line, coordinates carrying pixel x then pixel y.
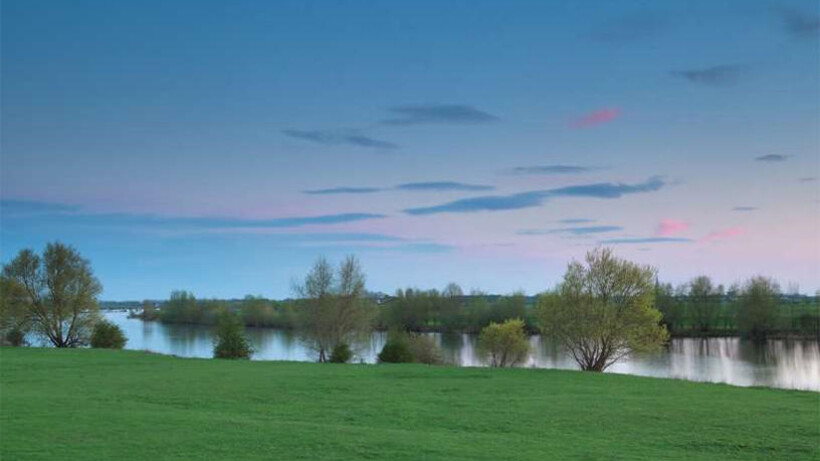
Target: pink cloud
{"type": "Point", "coordinates": [669, 227]}
{"type": "Point", "coordinates": [723, 234]}
{"type": "Point", "coordinates": [598, 117]}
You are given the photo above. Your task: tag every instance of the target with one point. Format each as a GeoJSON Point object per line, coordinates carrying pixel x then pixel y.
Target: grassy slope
{"type": "Point", "coordinates": [107, 405]}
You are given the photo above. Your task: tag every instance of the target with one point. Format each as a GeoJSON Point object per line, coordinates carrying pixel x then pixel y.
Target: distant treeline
{"type": "Point", "coordinates": [694, 309]}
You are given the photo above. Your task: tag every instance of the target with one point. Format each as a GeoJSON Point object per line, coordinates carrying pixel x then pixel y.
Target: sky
{"type": "Point", "coordinates": [221, 147]}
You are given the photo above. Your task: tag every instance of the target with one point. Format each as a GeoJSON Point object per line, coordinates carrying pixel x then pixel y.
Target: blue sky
{"type": "Point", "coordinates": [221, 147]}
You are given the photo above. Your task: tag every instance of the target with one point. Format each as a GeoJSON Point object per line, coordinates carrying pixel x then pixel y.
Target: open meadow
{"type": "Point", "coordinates": [87, 404]}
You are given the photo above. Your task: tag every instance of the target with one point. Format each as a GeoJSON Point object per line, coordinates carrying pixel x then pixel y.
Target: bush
{"type": "Point", "coordinates": [230, 338]}
{"type": "Point", "coordinates": [396, 350]}
{"type": "Point", "coordinates": [505, 344]}
{"type": "Point", "coordinates": [106, 335]}
{"type": "Point", "coordinates": [424, 349]}
{"type": "Point", "coordinates": [341, 353]}
{"type": "Point", "coordinates": [16, 337]}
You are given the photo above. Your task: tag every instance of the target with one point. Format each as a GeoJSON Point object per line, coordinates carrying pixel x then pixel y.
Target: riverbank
{"type": "Point", "coordinates": [102, 405]}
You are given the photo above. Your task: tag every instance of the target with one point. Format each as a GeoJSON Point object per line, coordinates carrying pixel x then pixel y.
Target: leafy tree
{"type": "Point", "coordinates": [107, 335]}
{"type": "Point", "coordinates": [504, 344]}
{"type": "Point", "coordinates": [148, 311]}
{"type": "Point", "coordinates": [757, 307]}
{"type": "Point", "coordinates": [231, 342]}
{"type": "Point", "coordinates": [396, 349]}
{"type": "Point", "coordinates": [334, 308]}
{"type": "Point", "coordinates": [59, 291]}
{"type": "Point", "coordinates": [424, 349]}
{"type": "Point", "coordinates": [341, 353]}
{"type": "Point", "coordinates": [670, 308]}
{"type": "Point", "coordinates": [603, 311]}
{"type": "Point", "coordinates": [15, 315]}
{"type": "Point", "coordinates": [703, 303]}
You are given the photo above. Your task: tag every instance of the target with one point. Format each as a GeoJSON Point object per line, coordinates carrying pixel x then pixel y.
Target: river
{"type": "Point", "coordinates": [789, 364]}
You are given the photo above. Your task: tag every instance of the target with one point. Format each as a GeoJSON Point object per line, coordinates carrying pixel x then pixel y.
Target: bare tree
{"type": "Point", "coordinates": [603, 311]}
{"type": "Point", "coordinates": [60, 292]}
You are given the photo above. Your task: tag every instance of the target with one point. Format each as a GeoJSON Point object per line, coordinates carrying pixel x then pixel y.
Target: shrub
{"type": "Point", "coordinates": [505, 344]}
{"type": "Point", "coordinates": [16, 337]}
{"type": "Point", "coordinates": [106, 335]}
{"type": "Point", "coordinates": [396, 350]}
{"type": "Point", "coordinates": [424, 349]}
{"type": "Point", "coordinates": [341, 353]}
{"type": "Point", "coordinates": [230, 338]}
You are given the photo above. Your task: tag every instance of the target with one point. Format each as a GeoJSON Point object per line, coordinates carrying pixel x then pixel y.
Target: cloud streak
{"type": "Point", "coordinates": [799, 23]}
{"type": "Point", "coordinates": [722, 234]}
{"type": "Point", "coordinates": [745, 208]}
{"type": "Point", "coordinates": [437, 114]}
{"type": "Point", "coordinates": [571, 230]}
{"type": "Point", "coordinates": [536, 198]}
{"type": "Point", "coordinates": [430, 186]}
{"type": "Point", "coordinates": [442, 186]}
{"type": "Point", "coordinates": [343, 190]}
{"type": "Point", "coordinates": [552, 169]}
{"type": "Point", "coordinates": [711, 76]}
{"type": "Point", "coordinates": [645, 240]}
{"type": "Point", "coordinates": [772, 158]}
{"type": "Point", "coordinates": [332, 138]}
{"type": "Point", "coordinates": [669, 227]}
{"type": "Point", "coordinates": [599, 117]}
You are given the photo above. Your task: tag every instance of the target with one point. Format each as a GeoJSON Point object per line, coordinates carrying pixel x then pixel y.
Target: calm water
{"type": "Point", "coordinates": [777, 363]}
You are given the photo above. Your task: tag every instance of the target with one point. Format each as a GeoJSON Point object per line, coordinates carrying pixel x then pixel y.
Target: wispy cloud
{"type": "Point", "coordinates": [799, 23]}
{"type": "Point", "coordinates": [599, 117]}
{"type": "Point", "coordinates": [437, 114]}
{"type": "Point", "coordinates": [343, 190]}
{"type": "Point", "coordinates": [571, 230]}
{"type": "Point", "coordinates": [772, 158]}
{"type": "Point", "coordinates": [576, 221]}
{"type": "Point", "coordinates": [437, 186]}
{"type": "Point", "coordinates": [64, 211]}
{"type": "Point", "coordinates": [723, 234]}
{"type": "Point", "coordinates": [329, 138]}
{"type": "Point", "coordinates": [536, 198]}
{"type": "Point", "coordinates": [669, 227]}
{"type": "Point", "coordinates": [608, 190]}
{"type": "Point", "coordinates": [553, 169]}
{"type": "Point", "coordinates": [745, 208]}
{"type": "Point", "coordinates": [807, 179]}
{"type": "Point", "coordinates": [442, 186]}
{"type": "Point", "coordinates": [645, 240]}
{"type": "Point", "coordinates": [713, 76]}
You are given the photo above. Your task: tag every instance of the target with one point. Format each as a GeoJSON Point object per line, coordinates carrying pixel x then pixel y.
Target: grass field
{"type": "Point", "coordinates": [120, 405]}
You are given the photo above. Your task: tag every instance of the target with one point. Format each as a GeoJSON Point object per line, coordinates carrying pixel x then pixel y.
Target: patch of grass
{"type": "Point", "coordinates": [125, 405]}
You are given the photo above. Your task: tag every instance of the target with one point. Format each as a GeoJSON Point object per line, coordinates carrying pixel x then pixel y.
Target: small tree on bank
{"type": "Point", "coordinates": [504, 344]}
{"type": "Point", "coordinates": [58, 290]}
{"type": "Point", "coordinates": [334, 309]}
{"type": "Point", "coordinates": [231, 342]}
{"type": "Point", "coordinates": [603, 311]}
{"type": "Point", "coordinates": [107, 335]}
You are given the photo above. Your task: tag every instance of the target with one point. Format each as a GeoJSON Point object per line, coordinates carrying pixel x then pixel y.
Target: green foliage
{"type": "Point", "coordinates": [603, 311]}
{"type": "Point", "coordinates": [58, 293]}
{"type": "Point", "coordinates": [341, 353]}
{"type": "Point", "coordinates": [424, 349]}
{"type": "Point", "coordinates": [107, 335]}
{"type": "Point", "coordinates": [396, 349]}
{"type": "Point", "coordinates": [213, 409]}
{"type": "Point", "coordinates": [230, 342]}
{"type": "Point", "coordinates": [504, 344]}
{"type": "Point", "coordinates": [703, 302]}
{"type": "Point", "coordinates": [757, 307]}
{"type": "Point", "coordinates": [333, 308]}
{"type": "Point", "coordinates": [15, 337]}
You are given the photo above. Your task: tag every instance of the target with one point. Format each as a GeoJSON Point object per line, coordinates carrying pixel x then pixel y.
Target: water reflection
{"type": "Point", "coordinates": [776, 363]}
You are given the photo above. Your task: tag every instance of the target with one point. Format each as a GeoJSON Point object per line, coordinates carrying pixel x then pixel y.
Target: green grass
{"type": "Point", "coordinates": [120, 405]}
